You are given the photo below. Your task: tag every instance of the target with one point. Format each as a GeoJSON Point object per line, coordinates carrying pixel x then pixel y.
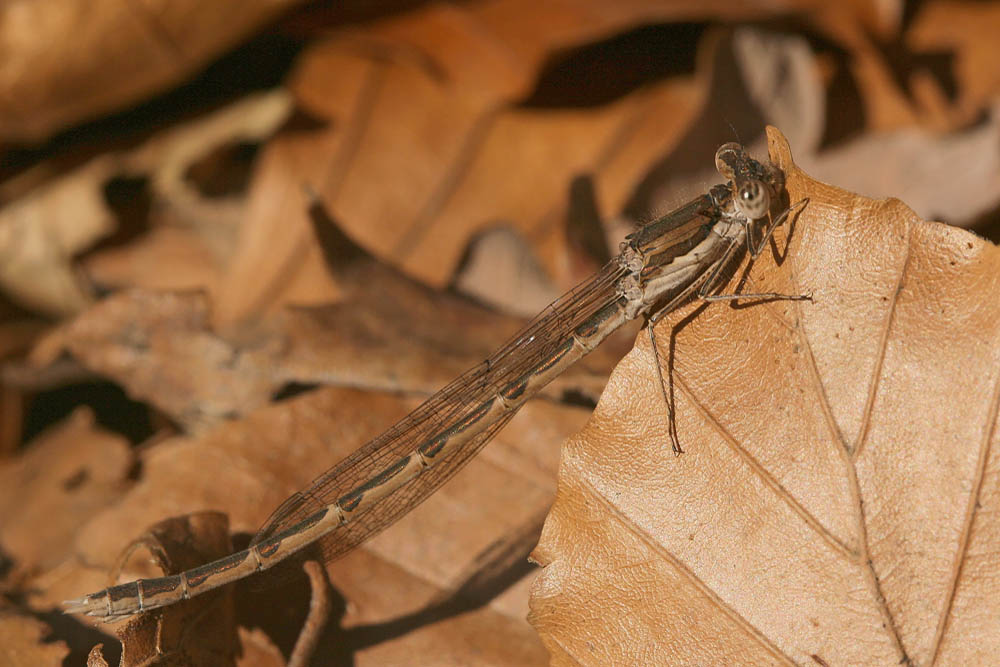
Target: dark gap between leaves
{"type": "Point", "coordinates": [843, 93]}
{"type": "Point", "coordinates": [601, 72]}
{"type": "Point", "coordinates": [130, 200]}
{"type": "Point", "coordinates": [291, 390]}
{"type": "Point", "coordinates": [112, 408]}
{"type": "Point", "coordinates": [259, 64]}
{"type": "Point", "coordinates": [577, 398]}
{"type": "Point", "coordinates": [224, 171]}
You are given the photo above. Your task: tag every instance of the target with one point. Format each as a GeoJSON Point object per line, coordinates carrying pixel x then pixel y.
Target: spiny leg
{"type": "Point", "coordinates": [704, 294]}
{"type": "Point", "coordinates": [769, 231]}
{"type": "Point", "coordinates": [655, 317]}
{"type": "Point", "coordinates": [668, 395]}
{"type": "Point", "coordinates": [755, 252]}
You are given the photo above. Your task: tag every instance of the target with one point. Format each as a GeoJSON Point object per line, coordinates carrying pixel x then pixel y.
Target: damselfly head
{"type": "Point", "coordinates": [752, 194]}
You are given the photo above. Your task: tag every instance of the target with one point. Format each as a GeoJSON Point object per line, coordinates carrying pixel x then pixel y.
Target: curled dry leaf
{"type": "Point", "coordinates": [838, 499]}
{"type": "Point", "coordinates": [44, 229]}
{"type": "Point", "coordinates": [65, 62]}
{"type": "Point", "coordinates": [200, 631]}
{"type": "Point", "coordinates": [40, 232]}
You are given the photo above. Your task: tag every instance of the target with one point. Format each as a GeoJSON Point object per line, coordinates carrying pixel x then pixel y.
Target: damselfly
{"type": "Point", "coordinates": [662, 265]}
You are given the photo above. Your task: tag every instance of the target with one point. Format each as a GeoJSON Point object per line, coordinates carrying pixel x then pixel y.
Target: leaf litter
{"type": "Point", "coordinates": [634, 147]}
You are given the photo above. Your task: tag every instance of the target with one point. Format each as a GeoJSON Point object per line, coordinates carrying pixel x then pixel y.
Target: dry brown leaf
{"type": "Point", "coordinates": [920, 168]}
{"type": "Point", "coordinates": [24, 642]}
{"type": "Point", "coordinates": [419, 148]}
{"type": "Point", "coordinates": [65, 62]}
{"type": "Point", "coordinates": [40, 233]}
{"type": "Point", "coordinates": [838, 497]}
{"type": "Point", "coordinates": [165, 258]}
{"type": "Point", "coordinates": [409, 589]}
{"type": "Point", "coordinates": [931, 66]}
{"type": "Point", "coordinates": [386, 333]}
{"type": "Point", "coordinates": [934, 67]}
{"type": "Point", "coordinates": [966, 33]}
{"type": "Point", "coordinates": [858, 59]}
{"type": "Point", "coordinates": [63, 477]}
{"type": "Point", "coordinates": [158, 346]}
{"type": "Point", "coordinates": [425, 227]}
{"type": "Point", "coordinates": [425, 146]}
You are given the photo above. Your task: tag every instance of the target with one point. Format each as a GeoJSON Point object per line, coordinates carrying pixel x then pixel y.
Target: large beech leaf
{"type": "Point", "coordinates": [837, 502]}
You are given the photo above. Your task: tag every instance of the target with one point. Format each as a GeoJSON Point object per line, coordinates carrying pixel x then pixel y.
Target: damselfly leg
{"type": "Point", "coordinates": [704, 293]}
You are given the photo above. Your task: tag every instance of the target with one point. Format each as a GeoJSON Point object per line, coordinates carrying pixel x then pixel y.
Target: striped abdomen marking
{"type": "Point", "coordinates": [198, 576]}
{"type": "Point", "coordinates": [438, 442]}
{"type": "Point", "coordinates": [154, 593]}
{"type": "Point", "coordinates": [350, 501]}
{"type": "Point", "coordinates": [125, 596]}
{"type": "Point", "coordinates": [585, 337]}
{"type": "Point", "coordinates": [268, 552]}
{"type": "Point", "coordinates": [592, 331]}
{"type": "Point", "coordinates": [555, 363]}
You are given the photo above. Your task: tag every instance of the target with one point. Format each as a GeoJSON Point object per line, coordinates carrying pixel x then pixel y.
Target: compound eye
{"type": "Point", "coordinates": [753, 200]}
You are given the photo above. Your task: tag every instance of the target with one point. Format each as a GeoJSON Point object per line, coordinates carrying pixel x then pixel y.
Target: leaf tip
{"type": "Point", "coordinates": [778, 149]}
